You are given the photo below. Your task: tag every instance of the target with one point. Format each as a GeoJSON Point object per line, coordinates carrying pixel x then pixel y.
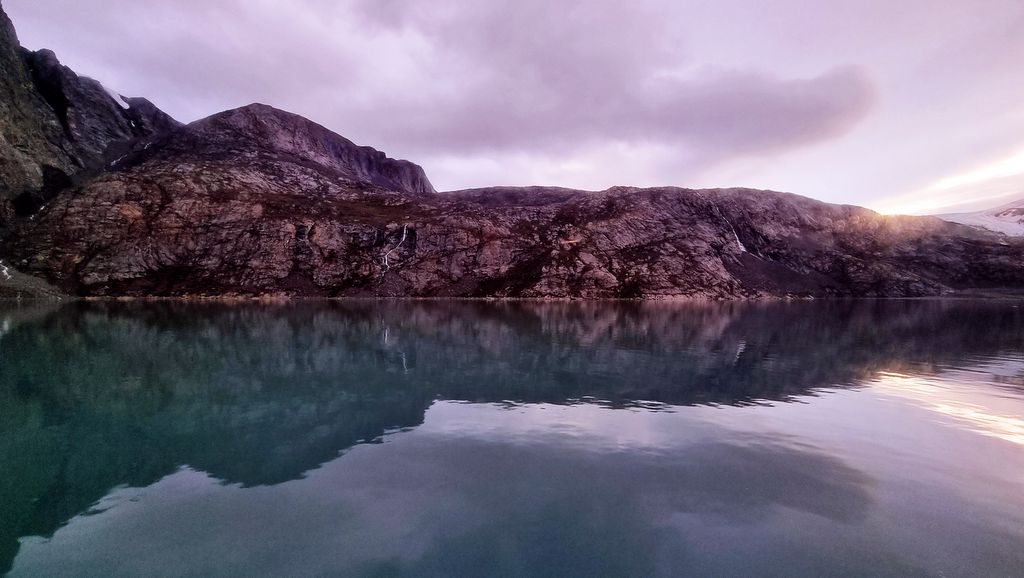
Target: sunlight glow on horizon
{"type": "Point", "coordinates": [950, 193]}
{"type": "Point", "coordinates": [1008, 167]}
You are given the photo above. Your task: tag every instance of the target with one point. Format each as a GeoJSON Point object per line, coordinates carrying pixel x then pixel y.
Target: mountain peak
{"type": "Point", "coordinates": [254, 110]}
{"type": "Point", "coordinates": [263, 128]}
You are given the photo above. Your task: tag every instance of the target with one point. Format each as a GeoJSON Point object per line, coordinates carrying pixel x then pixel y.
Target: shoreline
{"type": "Point", "coordinates": [994, 295]}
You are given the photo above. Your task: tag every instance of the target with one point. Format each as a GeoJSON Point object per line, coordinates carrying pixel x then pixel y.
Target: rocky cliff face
{"type": "Point", "coordinates": [56, 126]}
{"type": "Point", "coordinates": [260, 131]}
{"type": "Point", "coordinates": [257, 201]}
{"type": "Point", "coordinates": [28, 129]}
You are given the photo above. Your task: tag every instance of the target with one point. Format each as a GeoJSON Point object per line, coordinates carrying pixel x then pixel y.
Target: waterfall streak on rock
{"type": "Point", "coordinates": [387, 266]}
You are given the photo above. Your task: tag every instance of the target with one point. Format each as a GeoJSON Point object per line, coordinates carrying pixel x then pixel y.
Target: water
{"type": "Point", "coordinates": [864, 438]}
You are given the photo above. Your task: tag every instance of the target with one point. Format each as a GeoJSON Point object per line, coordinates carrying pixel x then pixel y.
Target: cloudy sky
{"type": "Point", "coordinates": [902, 106]}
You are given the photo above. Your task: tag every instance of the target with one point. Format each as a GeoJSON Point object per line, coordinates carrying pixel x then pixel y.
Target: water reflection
{"type": "Point", "coordinates": [98, 396]}
{"type": "Point", "coordinates": [955, 402]}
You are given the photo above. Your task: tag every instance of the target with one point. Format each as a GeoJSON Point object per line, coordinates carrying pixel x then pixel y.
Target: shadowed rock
{"type": "Point", "coordinates": [56, 125]}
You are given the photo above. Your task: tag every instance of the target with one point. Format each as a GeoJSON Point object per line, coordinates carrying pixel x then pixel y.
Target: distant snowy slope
{"type": "Point", "coordinates": [1007, 219]}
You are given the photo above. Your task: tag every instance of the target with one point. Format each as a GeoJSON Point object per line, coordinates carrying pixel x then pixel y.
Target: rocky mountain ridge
{"type": "Point", "coordinates": [256, 201]}
{"type": "Point", "coordinates": [258, 128]}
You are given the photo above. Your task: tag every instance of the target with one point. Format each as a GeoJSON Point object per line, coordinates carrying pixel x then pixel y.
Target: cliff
{"type": "Point", "coordinates": [56, 126]}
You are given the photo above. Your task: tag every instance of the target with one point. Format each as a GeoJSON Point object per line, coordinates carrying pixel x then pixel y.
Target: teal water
{"type": "Point", "coordinates": [861, 438]}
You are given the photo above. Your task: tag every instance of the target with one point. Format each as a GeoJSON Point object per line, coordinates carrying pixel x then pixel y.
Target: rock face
{"type": "Point", "coordinates": [258, 201]}
{"type": "Point", "coordinates": [258, 129]}
{"type": "Point", "coordinates": [56, 126]}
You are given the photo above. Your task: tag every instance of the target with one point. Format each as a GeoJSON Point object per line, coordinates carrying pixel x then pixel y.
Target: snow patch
{"type": "Point", "coordinates": [743, 248]}
{"type": "Point", "coordinates": [5, 271]}
{"type": "Point", "coordinates": [38, 212]}
{"type": "Point", "coordinates": [117, 98]}
{"type": "Point", "coordinates": [1006, 219]}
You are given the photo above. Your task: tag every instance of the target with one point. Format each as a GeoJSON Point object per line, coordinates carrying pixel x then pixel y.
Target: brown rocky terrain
{"type": "Point", "coordinates": [258, 201]}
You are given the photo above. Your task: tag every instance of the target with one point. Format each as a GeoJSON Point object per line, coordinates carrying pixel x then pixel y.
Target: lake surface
{"type": "Point", "coordinates": [860, 438]}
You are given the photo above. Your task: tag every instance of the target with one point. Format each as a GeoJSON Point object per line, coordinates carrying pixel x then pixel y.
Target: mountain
{"type": "Point", "coordinates": [1007, 219]}
{"type": "Point", "coordinates": [257, 201]}
{"type": "Point", "coordinates": [276, 136]}
{"type": "Point", "coordinates": [56, 126]}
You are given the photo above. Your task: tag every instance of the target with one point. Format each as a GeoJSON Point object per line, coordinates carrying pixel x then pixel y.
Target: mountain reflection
{"type": "Point", "coordinates": [95, 395]}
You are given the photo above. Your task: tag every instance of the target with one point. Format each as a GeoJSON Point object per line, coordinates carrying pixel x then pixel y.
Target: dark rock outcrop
{"type": "Point", "coordinates": [29, 130]}
{"type": "Point", "coordinates": [257, 201]}
{"type": "Point", "coordinates": [56, 126]}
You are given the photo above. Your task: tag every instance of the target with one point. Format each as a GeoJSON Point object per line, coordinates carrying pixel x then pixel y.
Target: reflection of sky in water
{"type": "Point", "coordinates": [955, 394]}
{"type": "Point", "coordinates": [587, 490]}
{"type": "Point", "coordinates": [816, 440]}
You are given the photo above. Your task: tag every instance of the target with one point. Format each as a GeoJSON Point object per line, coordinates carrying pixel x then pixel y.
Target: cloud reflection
{"type": "Point", "coordinates": [428, 503]}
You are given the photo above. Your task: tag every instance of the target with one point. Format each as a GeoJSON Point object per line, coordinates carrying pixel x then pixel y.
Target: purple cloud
{"type": "Point", "coordinates": [579, 93]}
{"type": "Point", "coordinates": [536, 75]}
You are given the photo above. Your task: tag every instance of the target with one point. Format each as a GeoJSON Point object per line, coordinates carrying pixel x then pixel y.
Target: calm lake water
{"type": "Point", "coordinates": [861, 438]}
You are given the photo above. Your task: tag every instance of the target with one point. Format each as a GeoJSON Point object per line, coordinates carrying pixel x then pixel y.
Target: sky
{"type": "Point", "coordinates": [915, 106]}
